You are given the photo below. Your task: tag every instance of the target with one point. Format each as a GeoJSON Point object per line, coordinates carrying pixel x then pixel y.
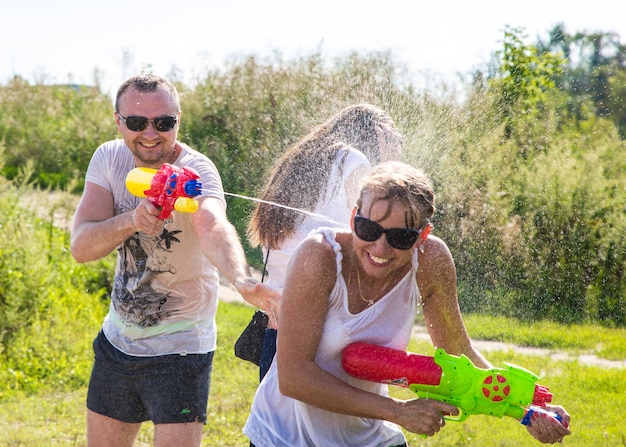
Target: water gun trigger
{"type": "Point", "coordinates": [448, 417]}
{"type": "Point", "coordinates": [458, 418]}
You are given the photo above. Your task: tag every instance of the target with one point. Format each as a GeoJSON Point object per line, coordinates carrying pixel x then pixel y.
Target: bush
{"type": "Point", "coordinates": [55, 127]}
{"type": "Point", "coordinates": [47, 301]}
{"type": "Point", "coordinates": [246, 115]}
{"type": "Point", "coordinates": [533, 208]}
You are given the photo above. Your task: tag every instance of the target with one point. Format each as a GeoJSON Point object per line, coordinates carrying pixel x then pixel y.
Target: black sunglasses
{"type": "Point", "coordinates": [140, 123]}
{"type": "Point", "coordinates": [398, 238]}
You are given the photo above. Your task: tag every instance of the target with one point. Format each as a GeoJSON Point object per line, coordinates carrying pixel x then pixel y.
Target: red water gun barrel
{"type": "Point", "coordinates": [387, 365]}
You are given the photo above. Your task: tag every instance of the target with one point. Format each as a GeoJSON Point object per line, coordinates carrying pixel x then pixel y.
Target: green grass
{"type": "Point", "coordinates": [606, 343]}
{"type": "Point", "coordinates": [595, 397]}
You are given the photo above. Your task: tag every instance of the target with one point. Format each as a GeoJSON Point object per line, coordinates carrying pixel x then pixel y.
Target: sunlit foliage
{"type": "Point", "coordinates": [528, 168]}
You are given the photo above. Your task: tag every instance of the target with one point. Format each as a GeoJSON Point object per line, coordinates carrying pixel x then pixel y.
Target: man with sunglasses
{"type": "Point", "coordinates": [365, 285]}
{"type": "Point", "coordinates": [154, 353]}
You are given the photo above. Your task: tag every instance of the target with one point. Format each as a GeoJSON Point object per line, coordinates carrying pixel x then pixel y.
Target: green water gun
{"type": "Point", "coordinates": [510, 391]}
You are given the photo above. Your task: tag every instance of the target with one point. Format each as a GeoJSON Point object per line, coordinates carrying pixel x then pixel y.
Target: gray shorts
{"type": "Point", "coordinates": [163, 389]}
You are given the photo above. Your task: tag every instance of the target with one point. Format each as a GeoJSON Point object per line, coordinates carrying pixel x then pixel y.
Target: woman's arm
{"type": "Point", "coordinates": [436, 279]}
{"type": "Point", "coordinates": [437, 283]}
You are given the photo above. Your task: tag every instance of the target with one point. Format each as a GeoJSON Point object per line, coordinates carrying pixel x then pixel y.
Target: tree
{"type": "Point", "coordinates": [524, 79]}
{"type": "Point", "coordinates": [596, 69]}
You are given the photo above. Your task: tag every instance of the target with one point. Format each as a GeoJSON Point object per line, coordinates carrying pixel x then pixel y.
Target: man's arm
{"type": "Point", "coordinates": [97, 230]}
{"type": "Point", "coordinates": [221, 245]}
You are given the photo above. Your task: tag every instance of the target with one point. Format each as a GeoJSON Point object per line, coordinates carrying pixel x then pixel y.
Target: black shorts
{"type": "Point", "coordinates": [163, 389]}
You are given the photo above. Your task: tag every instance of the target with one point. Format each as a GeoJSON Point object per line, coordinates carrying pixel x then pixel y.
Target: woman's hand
{"type": "Point", "coordinates": [423, 416]}
{"type": "Point", "coordinates": [547, 429]}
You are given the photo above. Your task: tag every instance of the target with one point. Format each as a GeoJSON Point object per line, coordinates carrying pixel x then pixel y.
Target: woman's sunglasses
{"type": "Point", "coordinates": [140, 123]}
{"type": "Point", "coordinates": [398, 238]}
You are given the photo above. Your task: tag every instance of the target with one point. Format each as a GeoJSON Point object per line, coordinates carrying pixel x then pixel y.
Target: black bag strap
{"type": "Point", "coordinates": [265, 265]}
{"type": "Point", "coordinates": [267, 255]}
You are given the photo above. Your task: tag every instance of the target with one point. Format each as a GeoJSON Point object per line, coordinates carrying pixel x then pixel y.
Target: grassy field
{"type": "Point", "coordinates": [595, 396]}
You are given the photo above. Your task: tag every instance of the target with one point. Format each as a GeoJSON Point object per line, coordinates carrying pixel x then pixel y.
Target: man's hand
{"type": "Point", "coordinates": [145, 218]}
{"type": "Point", "coordinates": [262, 296]}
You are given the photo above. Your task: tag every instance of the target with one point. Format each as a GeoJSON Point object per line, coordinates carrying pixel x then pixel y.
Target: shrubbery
{"type": "Point", "coordinates": [56, 127]}
{"type": "Point", "coordinates": [245, 116]}
{"type": "Point", "coordinates": [48, 302]}
{"type": "Point", "coordinates": [537, 201]}
{"type": "Point", "coordinates": [531, 187]}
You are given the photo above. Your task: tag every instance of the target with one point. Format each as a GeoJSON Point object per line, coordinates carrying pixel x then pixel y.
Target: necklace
{"type": "Point", "coordinates": [358, 282]}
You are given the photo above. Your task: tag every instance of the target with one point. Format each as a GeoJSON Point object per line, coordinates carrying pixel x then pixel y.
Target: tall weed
{"type": "Point", "coordinates": [48, 302]}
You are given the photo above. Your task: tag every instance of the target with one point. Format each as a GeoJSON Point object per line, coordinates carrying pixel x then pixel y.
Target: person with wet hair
{"type": "Point", "coordinates": [365, 285]}
{"type": "Point", "coordinates": [319, 175]}
{"type": "Point", "coordinates": [154, 352]}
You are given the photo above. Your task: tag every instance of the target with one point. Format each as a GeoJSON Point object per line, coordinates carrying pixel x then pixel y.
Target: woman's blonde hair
{"type": "Point", "coordinates": [397, 181]}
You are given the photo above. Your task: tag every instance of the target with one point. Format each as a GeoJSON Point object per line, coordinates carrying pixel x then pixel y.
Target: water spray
{"type": "Point", "coordinates": [298, 210]}
{"type": "Point", "coordinates": [174, 189]}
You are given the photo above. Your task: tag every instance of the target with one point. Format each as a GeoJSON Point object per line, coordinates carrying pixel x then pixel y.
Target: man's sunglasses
{"type": "Point", "coordinates": [140, 123]}
{"type": "Point", "coordinates": [398, 238]}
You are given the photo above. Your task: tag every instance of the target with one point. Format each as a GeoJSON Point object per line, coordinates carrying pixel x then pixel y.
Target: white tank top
{"type": "Point", "coordinates": [279, 421]}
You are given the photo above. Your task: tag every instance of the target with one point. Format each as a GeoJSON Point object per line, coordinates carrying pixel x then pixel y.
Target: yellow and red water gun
{"type": "Point", "coordinates": [170, 188]}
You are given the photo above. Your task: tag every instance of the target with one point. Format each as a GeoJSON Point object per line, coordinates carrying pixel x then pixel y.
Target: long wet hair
{"type": "Point", "coordinates": [300, 175]}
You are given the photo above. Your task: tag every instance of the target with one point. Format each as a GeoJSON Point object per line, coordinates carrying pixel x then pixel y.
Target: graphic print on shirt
{"type": "Point", "coordinates": [143, 258]}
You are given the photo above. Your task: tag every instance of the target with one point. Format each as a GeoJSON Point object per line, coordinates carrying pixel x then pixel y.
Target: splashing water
{"type": "Point", "coordinates": [298, 210]}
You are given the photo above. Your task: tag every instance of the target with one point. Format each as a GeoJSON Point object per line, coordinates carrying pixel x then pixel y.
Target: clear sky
{"type": "Point", "coordinates": [67, 40]}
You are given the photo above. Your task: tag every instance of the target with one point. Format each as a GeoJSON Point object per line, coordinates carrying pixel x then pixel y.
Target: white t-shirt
{"type": "Point", "coordinates": [279, 421]}
{"type": "Point", "coordinates": [332, 210]}
{"type": "Point", "coordinates": [164, 295]}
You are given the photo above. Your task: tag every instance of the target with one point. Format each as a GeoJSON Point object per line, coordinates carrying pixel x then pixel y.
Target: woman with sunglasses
{"type": "Point", "coordinates": [317, 181]}
{"type": "Point", "coordinates": [365, 285]}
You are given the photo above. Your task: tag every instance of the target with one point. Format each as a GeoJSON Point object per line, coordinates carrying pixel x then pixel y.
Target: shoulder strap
{"type": "Point", "coordinates": [265, 265]}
